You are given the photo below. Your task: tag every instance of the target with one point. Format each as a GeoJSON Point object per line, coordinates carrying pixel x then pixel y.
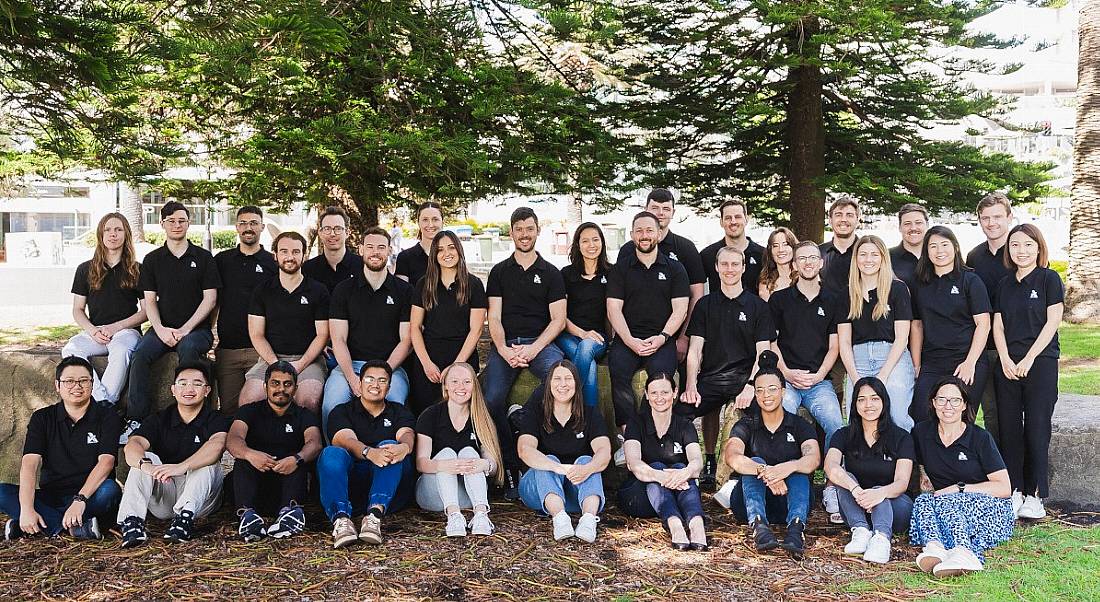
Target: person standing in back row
{"type": "Point", "coordinates": [412, 263]}
{"type": "Point", "coordinates": [912, 223]}
{"type": "Point", "coordinates": [836, 255]}
{"type": "Point", "coordinates": [336, 263]}
{"type": "Point", "coordinates": [734, 216]}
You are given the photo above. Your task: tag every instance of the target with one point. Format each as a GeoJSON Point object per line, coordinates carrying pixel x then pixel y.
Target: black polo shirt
{"type": "Point", "coordinates": [179, 282]}
{"type": "Point", "coordinates": [446, 321]}
{"type": "Point", "coordinates": [946, 307]}
{"type": "Point", "coordinates": [173, 440]}
{"type": "Point", "coordinates": [279, 436]}
{"type": "Point", "coordinates": [566, 442]}
{"type": "Point", "coordinates": [525, 295]}
{"type": "Point", "coordinates": [803, 326]}
{"type": "Point", "coordinates": [647, 293]}
{"type": "Point", "coordinates": [835, 267]}
{"type": "Point", "coordinates": [1023, 307]}
{"type": "Point", "coordinates": [784, 445]}
{"type": "Point", "coordinates": [319, 269]}
{"type": "Point", "coordinates": [110, 303]}
{"type": "Point", "coordinates": [970, 459]}
{"type": "Point", "coordinates": [370, 430]}
{"type": "Point", "coordinates": [240, 275]}
{"type": "Point", "coordinates": [990, 267]}
{"type": "Point", "coordinates": [668, 449]}
{"type": "Point", "coordinates": [873, 466]}
{"type": "Point", "coordinates": [374, 316]}
{"type": "Point", "coordinates": [412, 263]}
{"type": "Point", "coordinates": [677, 248]}
{"type": "Point", "coordinates": [866, 328]}
{"type": "Point", "coordinates": [290, 315]}
{"type": "Point", "coordinates": [586, 299]}
{"type": "Point", "coordinates": [435, 422]}
{"type": "Point", "coordinates": [754, 263]}
{"type": "Point", "coordinates": [904, 265]}
{"type": "Point", "coordinates": [70, 450]}
{"type": "Point", "coordinates": [730, 329]}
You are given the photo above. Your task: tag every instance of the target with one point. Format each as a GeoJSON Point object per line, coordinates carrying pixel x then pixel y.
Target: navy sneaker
{"type": "Point", "coordinates": [128, 429]}
{"type": "Point", "coordinates": [252, 526]}
{"type": "Point", "coordinates": [291, 521]}
{"type": "Point", "coordinates": [89, 529]}
{"type": "Point", "coordinates": [133, 532]}
{"type": "Point", "coordinates": [181, 527]}
{"type": "Point", "coordinates": [12, 530]}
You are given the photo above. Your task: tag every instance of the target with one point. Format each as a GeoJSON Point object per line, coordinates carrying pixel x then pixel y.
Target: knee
{"type": "Point", "coordinates": [657, 465]}
{"type": "Point", "coordinates": [583, 460]}
{"type": "Point", "coordinates": [446, 454]}
{"type": "Point", "coordinates": [468, 453]}
{"type": "Point", "coordinates": [332, 457]}
{"type": "Point", "coordinates": [107, 492]}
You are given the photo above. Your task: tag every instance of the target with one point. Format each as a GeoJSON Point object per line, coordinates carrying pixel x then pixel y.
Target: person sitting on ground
{"type": "Point", "coordinates": [457, 437]}
{"type": "Point", "coordinates": [967, 507]}
{"type": "Point", "coordinates": [175, 461]}
{"type": "Point", "coordinates": [664, 459]}
{"type": "Point", "coordinates": [775, 452]}
{"type": "Point", "coordinates": [369, 466]}
{"type": "Point", "coordinates": [74, 443]}
{"type": "Point", "coordinates": [565, 444]}
{"type": "Point", "coordinates": [273, 442]}
{"type": "Point", "coordinates": [871, 461]}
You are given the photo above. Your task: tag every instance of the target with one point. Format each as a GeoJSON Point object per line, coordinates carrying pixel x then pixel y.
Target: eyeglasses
{"type": "Point", "coordinates": [376, 379]}
{"type": "Point", "coordinates": [198, 384]}
{"type": "Point", "coordinates": [947, 401]}
{"type": "Point", "coordinates": [249, 224]}
{"type": "Point", "coordinates": [333, 230]}
{"type": "Point", "coordinates": [177, 221]}
{"type": "Point", "coordinates": [770, 389]}
{"type": "Point", "coordinates": [72, 383]}
{"type": "Point", "coordinates": [807, 259]}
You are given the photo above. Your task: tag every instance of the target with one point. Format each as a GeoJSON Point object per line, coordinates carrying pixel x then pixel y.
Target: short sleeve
{"type": "Point", "coordinates": [680, 285]}
{"type": "Point", "coordinates": [406, 300]}
{"type": "Point", "coordinates": [338, 302]}
{"type": "Point", "coordinates": [901, 306]}
{"type": "Point", "coordinates": [80, 280]}
{"type": "Point", "coordinates": [147, 282]}
{"type": "Point", "coordinates": [218, 424]}
{"type": "Point", "coordinates": [765, 327]}
{"type": "Point", "coordinates": [906, 449]}
{"type": "Point", "coordinates": [616, 285]}
{"type": "Point", "coordinates": [693, 264]}
{"type": "Point", "coordinates": [35, 442]}
{"type": "Point", "coordinates": [977, 296]}
{"type": "Point", "coordinates": [493, 287]}
{"type": "Point", "coordinates": [211, 278]}
{"type": "Point", "coordinates": [556, 290]}
{"type": "Point", "coordinates": [624, 251]}
{"type": "Point", "coordinates": [990, 456]}
{"type": "Point", "coordinates": [257, 306]}
{"type": "Point", "coordinates": [403, 418]}
{"type": "Point", "coordinates": [320, 308]}
{"type": "Point", "coordinates": [697, 326]}
{"type": "Point", "coordinates": [634, 429]}
{"type": "Point", "coordinates": [532, 416]}
{"type": "Point", "coordinates": [804, 432]}
{"type": "Point", "coordinates": [1056, 291]}
{"type": "Point", "coordinates": [688, 434]}
{"type": "Point", "coordinates": [338, 420]}
{"type": "Point", "coordinates": [402, 268]}
{"type": "Point", "coordinates": [478, 299]}
{"type": "Point", "coordinates": [110, 430]}
{"type": "Point", "coordinates": [150, 430]}
{"type": "Point", "coordinates": [594, 424]}
{"type": "Point", "coordinates": [425, 424]}
{"type": "Point", "coordinates": [743, 431]}
{"type": "Point", "coordinates": [839, 440]}
{"type": "Point", "coordinates": [308, 419]}
{"type": "Point", "coordinates": [246, 414]}
{"type": "Point", "coordinates": [417, 297]}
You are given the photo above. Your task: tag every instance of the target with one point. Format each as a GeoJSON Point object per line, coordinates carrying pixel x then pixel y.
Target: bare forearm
{"type": "Point", "coordinates": [100, 472]}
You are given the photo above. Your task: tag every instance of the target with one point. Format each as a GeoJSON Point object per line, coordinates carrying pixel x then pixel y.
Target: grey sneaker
{"type": "Point", "coordinates": [370, 530]}
{"type": "Point", "coordinates": [586, 527]}
{"type": "Point", "coordinates": [343, 532]}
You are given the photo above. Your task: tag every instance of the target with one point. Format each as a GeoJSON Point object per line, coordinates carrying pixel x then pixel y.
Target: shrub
{"type": "Point", "coordinates": [1061, 267]}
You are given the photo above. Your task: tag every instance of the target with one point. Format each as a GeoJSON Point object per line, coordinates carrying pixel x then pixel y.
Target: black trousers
{"type": "Point", "coordinates": [423, 392]}
{"type": "Point", "coordinates": [931, 371]}
{"type": "Point", "coordinates": [1024, 410]}
{"type": "Point", "coordinates": [252, 487]}
{"type": "Point", "coordinates": [714, 395]}
{"type": "Point", "coordinates": [622, 363]}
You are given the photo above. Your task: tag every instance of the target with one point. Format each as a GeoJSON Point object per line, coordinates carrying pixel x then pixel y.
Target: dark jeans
{"type": "Point", "coordinates": [498, 379]}
{"type": "Point", "coordinates": [622, 363]}
{"type": "Point", "coordinates": [889, 517]}
{"type": "Point", "coordinates": [51, 506]}
{"type": "Point", "coordinates": [192, 348]}
{"type": "Point", "coordinates": [1024, 411]}
{"type": "Point", "coordinates": [932, 371]}
{"type": "Point", "coordinates": [260, 490]}
{"type": "Point", "coordinates": [350, 486]}
{"type": "Point", "coordinates": [751, 498]}
{"type": "Point", "coordinates": [423, 392]}
{"type": "Point", "coordinates": [646, 500]}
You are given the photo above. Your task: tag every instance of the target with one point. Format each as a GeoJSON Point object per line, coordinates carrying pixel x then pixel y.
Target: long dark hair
{"type": "Point", "coordinates": [769, 273]}
{"type": "Point", "coordinates": [969, 414]}
{"type": "Point", "coordinates": [575, 257]}
{"type": "Point", "coordinates": [549, 423]}
{"type": "Point", "coordinates": [926, 272]}
{"type": "Point", "coordinates": [432, 274]}
{"type": "Point", "coordinates": [97, 270]}
{"type": "Point", "coordinates": [856, 440]}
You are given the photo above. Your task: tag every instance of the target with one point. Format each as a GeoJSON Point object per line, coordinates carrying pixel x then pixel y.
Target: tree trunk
{"type": "Point", "coordinates": [1083, 290]}
{"type": "Point", "coordinates": [129, 205]}
{"type": "Point", "coordinates": [806, 134]}
{"type": "Point", "coordinates": [574, 209]}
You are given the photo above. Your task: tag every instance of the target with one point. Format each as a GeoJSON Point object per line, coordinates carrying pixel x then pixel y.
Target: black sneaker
{"type": "Point", "coordinates": [707, 478]}
{"type": "Point", "coordinates": [515, 417]}
{"type": "Point", "coordinates": [793, 541]}
{"type": "Point", "coordinates": [291, 521]}
{"type": "Point", "coordinates": [128, 429]}
{"type": "Point", "coordinates": [251, 527]}
{"type": "Point", "coordinates": [180, 529]}
{"type": "Point", "coordinates": [763, 537]}
{"type": "Point", "coordinates": [133, 532]}
{"type": "Point", "coordinates": [89, 529]}
{"type": "Point", "coordinates": [12, 530]}
{"type": "Point", "coordinates": [511, 482]}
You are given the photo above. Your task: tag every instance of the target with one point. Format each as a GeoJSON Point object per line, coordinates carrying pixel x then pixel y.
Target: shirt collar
{"type": "Point", "coordinates": [62, 415]}
{"type": "Point", "coordinates": [511, 261]}
{"type": "Point", "coordinates": [387, 284]}
{"type": "Point", "coordinates": [175, 419]}
{"type": "Point", "coordinates": [662, 259]}
{"type": "Point", "coordinates": [291, 410]}
{"type": "Point", "coordinates": [357, 406]}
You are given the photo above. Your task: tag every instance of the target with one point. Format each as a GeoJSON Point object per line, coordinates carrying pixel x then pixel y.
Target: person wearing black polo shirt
{"type": "Point", "coordinates": [72, 444]}
{"type": "Point", "coordinates": [729, 328]}
{"type": "Point", "coordinates": [778, 271]}
{"type": "Point", "coordinates": [446, 318]}
{"type": "Point", "coordinates": [527, 310]}
{"type": "Point", "coordinates": [584, 339]}
{"type": "Point", "coordinates": [912, 223]}
{"type": "Point", "coordinates": [734, 216]}
{"type": "Point", "coordinates": [647, 302]}
{"type": "Point", "coordinates": [1028, 310]}
{"type": "Point", "coordinates": [456, 450]}
{"type": "Point", "coordinates": [965, 509]}
{"type": "Point", "coordinates": [775, 452]}
{"type": "Point", "coordinates": [836, 255]}
{"type": "Point", "coordinates": [565, 444]}
{"type": "Point", "coordinates": [951, 321]}
{"type": "Point", "coordinates": [368, 320]}
{"type": "Point", "coordinates": [180, 282]}
{"type": "Point", "coordinates": [175, 462]}
{"type": "Point", "coordinates": [336, 263]}
{"type": "Point", "coordinates": [288, 321]}
{"type": "Point", "coordinates": [241, 269]}
{"type": "Point", "coordinates": [871, 462]}
{"type": "Point", "coordinates": [663, 457]}
{"type": "Point", "coordinates": [412, 263]}
{"type": "Point", "coordinates": [368, 468]}
{"type": "Point", "coordinates": [108, 307]}
{"type": "Point", "coordinates": [273, 443]}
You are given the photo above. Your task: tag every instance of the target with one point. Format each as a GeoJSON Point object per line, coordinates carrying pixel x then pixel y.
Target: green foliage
{"type": "Point", "coordinates": [223, 239]}
{"type": "Point", "coordinates": [1061, 267]}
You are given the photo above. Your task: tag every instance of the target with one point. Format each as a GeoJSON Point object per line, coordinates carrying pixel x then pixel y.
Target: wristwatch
{"type": "Point", "coordinates": [298, 459]}
{"type": "Point", "coordinates": [365, 450]}
{"type": "Point", "coordinates": [961, 486]}
{"type": "Point", "coordinates": [667, 336]}
{"type": "Point", "coordinates": [80, 497]}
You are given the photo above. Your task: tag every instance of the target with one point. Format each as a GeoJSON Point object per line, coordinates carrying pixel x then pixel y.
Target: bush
{"type": "Point", "coordinates": [223, 239]}
{"type": "Point", "coordinates": [1061, 267]}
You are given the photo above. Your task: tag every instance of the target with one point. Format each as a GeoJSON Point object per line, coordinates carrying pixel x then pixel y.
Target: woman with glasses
{"type": "Point", "coordinates": [412, 263]}
{"type": "Point", "coordinates": [584, 339]}
{"type": "Point", "coordinates": [965, 509]}
{"type": "Point", "coordinates": [778, 271]}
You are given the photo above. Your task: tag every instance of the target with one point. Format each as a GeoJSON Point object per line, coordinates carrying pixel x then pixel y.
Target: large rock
{"type": "Point", "coordinates": [1075, 451]}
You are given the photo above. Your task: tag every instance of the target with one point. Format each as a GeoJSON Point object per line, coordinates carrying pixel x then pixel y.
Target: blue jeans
{"type": "Point", "coordinates": [821, 400]}
{"type": "Point", "coordinates": [350, 486]}
{"type": "Point", "coordinates": [751, 498]}
{"type": "Point", "coordinates": [103, 504]}
{"type": "Point", "coordinates": [646, 500]}
{"type": "Point", "coordinates": [870, 357]}
{"type": "Point", "coordinates": [889, 517]}
{"type": "Point", "coordinates": [536, 484]}
{"type": "Point", "coordinates": [191, 348]}
{"type": "Point", "coordinates": [498, 378]}
{"type": "Point", "coordinates": [338, 391]}
{"type": "Point", "coordinates": [584, 353]}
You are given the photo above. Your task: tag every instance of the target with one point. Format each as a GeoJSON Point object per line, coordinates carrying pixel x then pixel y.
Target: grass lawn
{"type": "Point", "coordinates": [1080, 372]}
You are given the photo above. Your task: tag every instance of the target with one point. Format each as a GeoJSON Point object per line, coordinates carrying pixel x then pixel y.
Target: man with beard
{"type": "Point", "coordinates": [288, 321]}
{"type": "Point", "coordinates": [368, 320]}
{"type": "Point", "coordinates": [912, 223]}
{"type": "Point", "coordinates": [526, 313]}
{"type": "Point", "coordinates": [836, 255]}
{"type": "Point", "coordinates": [273, 443]}
{"type": "Point", "coordinates": [734, 215]}
{"type": "Point", "coordinates": [336, 263]}
{"type": "Point", "coordinates": [241, 270]}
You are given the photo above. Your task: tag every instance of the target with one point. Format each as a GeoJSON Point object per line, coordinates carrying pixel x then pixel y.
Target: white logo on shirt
{"type": "Point", "coordinates": [742, 317]}
{"type": "Point", "coordinates": [537, 280]}
{"type": "Point", "coordinates": [821, 311]}
{"type": "Point", "coordinates": [673, 257]}
{"type": "Point", "coordinates": [752, 260]}
{"type": "Point", "coordinates": [661, 276]}
{"type": "Point", "coordinates": [289, 428]}
{"type": "Point", "coordinates": [259, 269]}
{"type": "Point", "coordinates": [580, 435]}
{"type": "Point", "coordinates": [962, 457]}
{"type": "Point", "coordinates": [386, 422]}
{"type": "Point", "coordinates": [954, 290]}
{"type": "Point", "coordinates": [790, 438]}
{"type": "Point", "coordinates": [1034, 295]}
{"type": "Point", "coordinates": [389, 300]}
{"type": "Point", "coordinates": [197, 439]}
{"type": "Point", "coordinates": [473, 436]}
{"type": "Point", "coordinates": [603, 279]}
{"type": "Point", "coordinates": [677, 448]}
{"type": "Point", "coordinates": [304, 300]}
{"type": "Point", "coordinates": [92, 439]}
{"type": "Point", "coordinates": [193, 264]}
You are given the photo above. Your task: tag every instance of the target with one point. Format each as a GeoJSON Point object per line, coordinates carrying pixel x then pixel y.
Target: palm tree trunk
{"type": "Point", "coordinates": [1083, 286]}
{"type": "Point", "coordinates": [129, 205]}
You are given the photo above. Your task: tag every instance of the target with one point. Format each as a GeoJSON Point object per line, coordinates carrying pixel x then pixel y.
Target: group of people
{"type": "Point", "coordinates": [369, 381]}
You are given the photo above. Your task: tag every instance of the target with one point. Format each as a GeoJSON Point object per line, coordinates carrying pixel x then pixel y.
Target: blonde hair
{"type": "Point", "coordinates": [484, 427]}
{"type": "Point", "coordinates": [882, 284]}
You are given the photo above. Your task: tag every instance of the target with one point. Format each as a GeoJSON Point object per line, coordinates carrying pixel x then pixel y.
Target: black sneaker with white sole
{"type": "Point", "coordinates": [133, 532]}
{"type": "Point", "coordinates": [128, 429]}
{"type": "Point", "coordinates": [251, 527]}
{"type": "Point", "coordinates": [511, 484]}
{"type": "Point", "coordinates": [182, 526]}
{"type": "Point", "coordinates": [291, 521]}
{"type": "Point", "coordinates": [88, 529]}
{"type": "Point", "coordinates": [707, 478]}
{"type": "Point", "coordinates": [12, 530]}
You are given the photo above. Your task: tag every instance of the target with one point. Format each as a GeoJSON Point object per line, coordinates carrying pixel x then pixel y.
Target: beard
{"type": "Point", "coordinates": [645, 246]}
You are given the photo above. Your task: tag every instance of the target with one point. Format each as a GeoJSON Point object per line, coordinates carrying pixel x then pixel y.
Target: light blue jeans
{"type": "Point", "coordinates": [870, 357]}
{"type": "Point", "coordinates": [536, 484]}
{"type": "Point", "coordinates": [822, 403]}
{"type": "Point", "coordinates": [583, 353]}
{"type": "Point", "coordinates": [338, 391]}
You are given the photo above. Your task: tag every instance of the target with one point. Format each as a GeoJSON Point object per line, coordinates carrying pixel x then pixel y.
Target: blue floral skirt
{"type": "Point", "coordinates": [974, 520]}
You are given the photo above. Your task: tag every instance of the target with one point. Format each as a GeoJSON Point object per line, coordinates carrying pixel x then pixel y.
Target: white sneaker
{"type": "Point", "coordinates": [831, 502]}
{"type": "Point", "coordinates": [620, 454]}
{"type": "Point", "coordinates": [1032, 508]}
{"type": "Point", "coordinates": [456, 525]}
{"type": "Point", "coordinates": [586, 527]}
{"type": "Point", "coordinates": [722, 496]}
{"type": "Point", "coordinates": [563, 526]}
{"type": "Point", "coordinates": [878, 549]}
{"type": "Point", "coordinates": [481, 525]}
{"type": "Point", "coordinates": [959, 561]}
{"type": "Point", "coordinates": [860, 537]}
{"type": "Point", "coordinates": [1017, 501]}
{"type": "Point", "coordinates": [931, 556]}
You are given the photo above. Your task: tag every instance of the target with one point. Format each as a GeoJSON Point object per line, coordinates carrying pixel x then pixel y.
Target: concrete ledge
{"type": "Point", "coordinates": [1075, 451]}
